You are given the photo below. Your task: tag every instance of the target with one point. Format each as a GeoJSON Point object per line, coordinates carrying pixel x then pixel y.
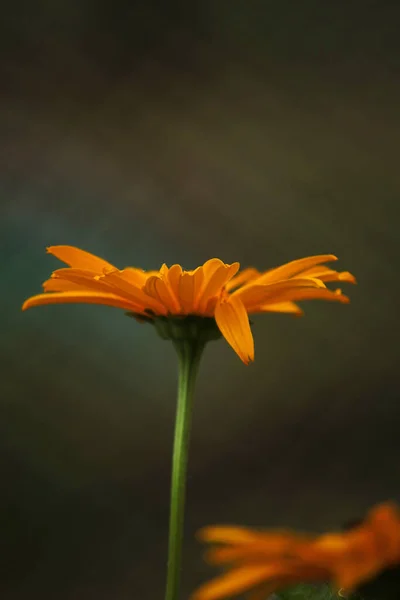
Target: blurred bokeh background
{"type": "Point", "coordinates": [150, 132]}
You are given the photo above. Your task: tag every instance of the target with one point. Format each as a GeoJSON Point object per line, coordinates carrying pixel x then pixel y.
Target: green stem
{"type": "Point", "coordinates": [189, 355]}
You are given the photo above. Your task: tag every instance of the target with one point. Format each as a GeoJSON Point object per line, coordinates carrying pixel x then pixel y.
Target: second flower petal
{"type": "Point", "coordinates": [233, 322]}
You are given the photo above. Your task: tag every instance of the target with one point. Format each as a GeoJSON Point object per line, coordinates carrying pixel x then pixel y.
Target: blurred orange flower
{"type": "Point", "coordinates": [215, 290]}
{"type": "Point", "coordinates": [264, 563]}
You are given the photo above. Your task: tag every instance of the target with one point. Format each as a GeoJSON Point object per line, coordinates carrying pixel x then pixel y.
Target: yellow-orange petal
{"type": "Point", "coordinates": [79, 259]}
{"type": "Point", "coordinates": [294, 268]}
{"type": "Point", "coordinates": [282, 307]}
{"type": "Point", "coordinates": [324, 550]}
{"type": "Point", "coordinates": [233, 322]}
{"type": "Point", "coordinates": [349, 574]}
{"type": "Point", "coordinates": [61, 285]}
{"type": "Point", "coordinates": [120, 281]}
{"type": "Point", "coordinates": [373, 545]}
{"type": "Point", "coordinates": [345, 276]}
{"type": "Point", "coordinates": [84, 278]}
{"type": "Point", "coordinates": [157, 288]}
{"type": "Point", "coordinates": [216, 275]}
{"type": "Point", "coordinates": [233, 583]}
{"type": "Point", "coordinates": [189, 288]}
{"type": "Point", "coordinates": [385, 524]}
{"type": "Point", "coordinates": [299, 294]}
{"type": "Point", "coordinates": [227, 534]}
{"type": "Point", "coordinates": [174, 276]}
{"type": "Point", "coordinates": [79, 297]}
{"type": "Point", "coordinates": [242, 278]}
{"type": "Point", "coordinates": [134, 276]}
{"type": "Point", "coordinates": [275, 575]}
{"type": "Point", "coordinates": [210, 266]}
{"type": "Point", "coordinates": [101, 283]}
{"type": "Point", "coordinates": [248, 545]}
{"type": "Point", "coordinates": [325, 274]}
{"type": "Point", "coordinates": [167, 277]}
{"type": "Point", "coordinates": [256, 294]}
{"type": "Point", "coordinates": [261, 550]}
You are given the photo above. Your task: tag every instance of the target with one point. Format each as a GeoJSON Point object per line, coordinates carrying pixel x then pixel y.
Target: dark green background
{"type": "Point", "coordinates": [145, 132]}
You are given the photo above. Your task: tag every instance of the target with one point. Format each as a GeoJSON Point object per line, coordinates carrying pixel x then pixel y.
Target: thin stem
{"type": "Point", "coordinates": [189, 355]}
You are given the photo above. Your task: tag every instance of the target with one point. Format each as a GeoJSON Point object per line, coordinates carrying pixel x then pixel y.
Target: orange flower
{"type": "Point", "coordinates": [264, 563]}
{"type": "Point", "coordinates": [213, 290]}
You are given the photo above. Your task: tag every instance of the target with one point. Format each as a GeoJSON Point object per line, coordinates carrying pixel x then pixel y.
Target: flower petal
{"type": "Point", "coordinates": [189, 289]}
{"type": "Point", "coordinates": [104, 284]}
{"type": "Point", "coordinates": [174, 276]}
{"type": "Point", "coordinates": [79, 259]}
{"type": "Point", "coordinates": [242, 278]}
{"type": "Point", "coordinates": [263, 549]}
{"type": "Point", "coordinates": [347, 560]}
{"type": "Point", "coordinates": [325, 274]}
{"type": "Point", "coordinates": [294, 268]}
{"type": "Point", "coordinates": [79, 297]}
{"type": "Point", "coordinates": [350, 574]}
{"type": "Point", "coordinates": [216, 275]}
{"type": "Point", "coordinates": [384, 520]}
{"type": "Point", "coordinates": [121, 283]}
{"type": "Point", "coordinates": [298, 294]}
{"type": "Point", "coordinates": [84, 278]}
{"type": "Point", "coordinates": [254, 294]}
{"type": "Point", "coordinates": [134, 276]}
{"type": "Point", "coordinates": [55, 284]}
{"type": "Point", "coordinates": [233, 322]}
{"type": "Point", "coordinates": [254, 546]}
{"type": "Point", "coordinates": [283, 307]}
{"type": "Point", "coordinates": [226, 534]}
{"type": "Point", "coordinates": [157, 288]}
{"type": "Point", "coordinates": [276, 575]}
{"type": "Point", "coordinates": [171, 277]}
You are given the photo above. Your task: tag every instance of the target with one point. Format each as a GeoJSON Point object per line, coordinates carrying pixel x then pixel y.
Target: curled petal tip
{"type": "Point", "coordinates": [50, 249]}
{"type": "Point", "coordinates": [351, 279]}
{"type": "Point", "coordinates": [27, 304]}
{"type": "Point", "coordinates": [331, 258]}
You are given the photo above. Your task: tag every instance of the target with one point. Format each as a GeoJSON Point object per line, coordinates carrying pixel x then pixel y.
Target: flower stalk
{"type": "Point", "coordinates": [189, 356]}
